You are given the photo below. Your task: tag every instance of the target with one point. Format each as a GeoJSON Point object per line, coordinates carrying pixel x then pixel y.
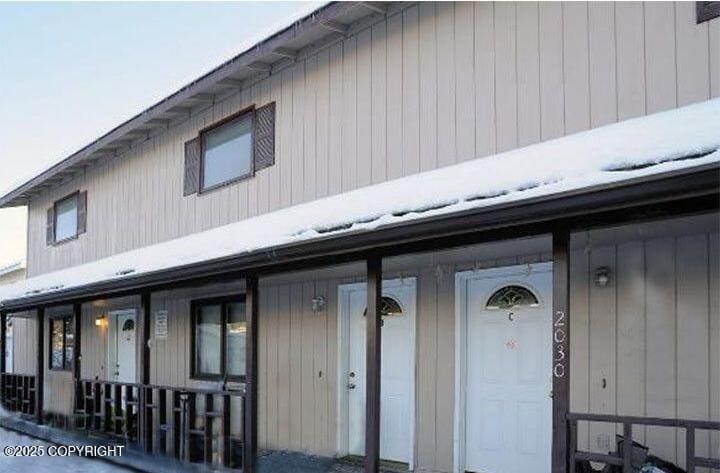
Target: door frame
{"type": "Point", "coordinates": [111, 337]}
{"type": "Point", "coordinates": [343, 335]}
{"type": "Point", "coordinates": [460, 405]}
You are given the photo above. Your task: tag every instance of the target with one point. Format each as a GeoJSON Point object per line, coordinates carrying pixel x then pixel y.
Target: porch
{"type": "Point", "coordinates": [301, 406]}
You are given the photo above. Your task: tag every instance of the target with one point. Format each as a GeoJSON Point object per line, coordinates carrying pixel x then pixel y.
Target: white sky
{"type": "Point", "coordinates": [69, 72]}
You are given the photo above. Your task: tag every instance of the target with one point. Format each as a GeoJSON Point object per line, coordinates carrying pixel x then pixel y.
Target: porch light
{"type": "Point", "coordinates": [318, 304]}
{"type": "Point", "coordinates": [602, 276]}
{"type": "Point", "coordinates": [100, 321]}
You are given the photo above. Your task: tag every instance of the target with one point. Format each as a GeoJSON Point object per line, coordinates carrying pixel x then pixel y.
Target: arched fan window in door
{"type": "Point", "coordinates": [128, 325]}
{"type": "Point", "coordinates": [510, 297]}
{"type": "Point", "coordinates": [389, 307]}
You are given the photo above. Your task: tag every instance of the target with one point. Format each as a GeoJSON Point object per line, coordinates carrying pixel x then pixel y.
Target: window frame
{"type": "Point", "coordinates": [67, 321]}
{"type": "Point", "coordinates": [75, 195]}
{"type": "Point", "coordinates": [195, 306]}
{"type": "Point", "coordinates": [235, 117]}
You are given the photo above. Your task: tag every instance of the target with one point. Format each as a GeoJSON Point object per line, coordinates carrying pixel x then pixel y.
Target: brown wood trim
{"type": "Point", "coordinates": [223, 302]}
{"type": "Point", "coordinates": [75, 195]}
{"type": "Point", "coordinates": [251, 369]}
{"type": "Point", "coordinates": [373, 363]}
{"type": "Point", "coordinates": [40, 367]}
{"type": "Point", "coordinates": [240, 115]}
{"type": "Point", "coordinates": [51, 319]}
{"type": "Point", "coordinates": [561, 348]}
{"type": "Point", "coordinates": [3, 348]}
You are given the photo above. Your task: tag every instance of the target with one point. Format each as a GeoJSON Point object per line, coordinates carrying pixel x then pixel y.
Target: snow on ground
{"type": "Point", "coordinates": [667, 141]}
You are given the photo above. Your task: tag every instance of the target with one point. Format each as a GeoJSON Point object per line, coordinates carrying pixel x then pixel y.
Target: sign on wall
{"type": "Point", "coordinates": [161, 324]}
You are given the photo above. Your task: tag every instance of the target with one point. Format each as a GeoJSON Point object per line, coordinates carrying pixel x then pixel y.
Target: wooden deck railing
{"type": "Point", "coordinates": [624, 458]}
{"type": "Point", "coordinates": [188, 424]}
{"type": "Point", "coordinates": [109, 407]}
{"type": "Point", "coordinates": [18, 393]}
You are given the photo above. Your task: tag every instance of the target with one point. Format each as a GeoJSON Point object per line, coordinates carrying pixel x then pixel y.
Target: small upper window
{"type": "Point", "coordinates": [227, 152]}
{"type": "Point", "coordinates": [510, 297]}
{"type": "Point", "coordinates": [66, 218]}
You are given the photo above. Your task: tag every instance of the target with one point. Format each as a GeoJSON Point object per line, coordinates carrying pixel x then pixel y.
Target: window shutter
{"type": "Point", "coordinates": [706, 11]}
{"type": "Point", "coordinates": [264, 152]}
{"type": "Point", "coordinates": [50, 226]}
{"type": "Point", "coordinates": [82, 212]}
{"type": "Point", "coordinates": [192, 166]}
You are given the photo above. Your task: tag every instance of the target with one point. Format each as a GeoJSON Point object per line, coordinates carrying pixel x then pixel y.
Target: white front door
{"type": "Point", "coordinates": [122, 335]}
{"type": "Point", "coordinates": [397, 379]}
{"type": "Point", "coordinates": [508, 381]}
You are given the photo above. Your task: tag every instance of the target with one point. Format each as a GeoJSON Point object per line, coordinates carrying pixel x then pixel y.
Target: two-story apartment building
{"type": "Point", "coordinates": [451, 236]}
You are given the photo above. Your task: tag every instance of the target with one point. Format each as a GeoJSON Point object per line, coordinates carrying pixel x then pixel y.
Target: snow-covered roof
{"type": "Point", "coordinates": [668, 141]}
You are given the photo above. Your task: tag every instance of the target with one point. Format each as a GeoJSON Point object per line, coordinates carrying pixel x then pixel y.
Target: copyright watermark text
{"type": "Point", "coordinates": [63, 450]}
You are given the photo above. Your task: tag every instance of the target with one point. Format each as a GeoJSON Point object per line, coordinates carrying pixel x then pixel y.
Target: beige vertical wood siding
{"type": "Point", "coordinates": [652, 335]}
{"type": "Point", "coordinates": [432, 85]}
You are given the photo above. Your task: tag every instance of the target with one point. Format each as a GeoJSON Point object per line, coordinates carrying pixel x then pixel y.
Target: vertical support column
{"type": "Point", "coordinates": [145, 395]}
{"type": "Point", "coordinates": [561, 349]}
{"type": "Point", "coordinates": [373, 334]}
{"type": "Point", "coordinates": [251, 368]}
{"type": "Point", "coordinates": [3, 349]}
{"type": "Point", "coordinates": [77, 358]}
{"type": "Point", "coordinates": [40, 368]}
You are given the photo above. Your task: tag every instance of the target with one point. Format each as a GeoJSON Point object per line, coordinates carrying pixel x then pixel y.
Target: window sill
{"type": "Point", "coordinates": [244, 177]}
{"type": "Point", "coordinates": [66, 240]}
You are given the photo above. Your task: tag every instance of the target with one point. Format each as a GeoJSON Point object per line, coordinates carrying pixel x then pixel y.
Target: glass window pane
{"type": "Point", "coordinates": [227, 152]}
{"type": "Point", "coordinates": [235, 333]}
{"type": "Point", "coordinates": [66, 219]}
{"type": "Point", "coordinates": [207, 337]}
{"type": "Point", "coordinates": [56, 343]}
{"type": "Point", "coordinates": [69, 343]}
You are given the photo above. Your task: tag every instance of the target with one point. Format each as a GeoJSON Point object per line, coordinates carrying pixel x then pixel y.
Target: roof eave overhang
{"type": "Point", "coordinates": [684, 192]}
{"type": "Point", "coordinates": [159, 116]}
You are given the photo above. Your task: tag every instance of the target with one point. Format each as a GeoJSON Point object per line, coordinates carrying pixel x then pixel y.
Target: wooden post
{"type": "Point", "coordinates": [251, 368]}
{"type": "Point", "coordinates": [145, 395]}
{"type": "Point", "coordinates": [690, 449]}
{"type": "Point", "coordinates": [77, 356]}
{"type": "Point", "coordinates": [561, 349]}
{"type": "Point", "coordinates": [373, 339]}
{"type": "Point", "coordinates": [627, 447]}
{"type": "Point", "coordinates": [3, 349]}
{"type": "Point", "coordinates": [40, 368]}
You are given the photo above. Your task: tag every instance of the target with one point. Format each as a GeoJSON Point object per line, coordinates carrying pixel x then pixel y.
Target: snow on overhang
{"type": "Point", "coordinates": [665, 142]}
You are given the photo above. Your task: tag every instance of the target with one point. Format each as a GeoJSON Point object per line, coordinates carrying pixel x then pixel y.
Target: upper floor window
{"type": "Point", "coordinates": [66, 219]}
{"type": "Point", "coordinates": [62, 343]}
{"type": "Point", "coordinates": [66, 213]}
{"type": "Point", "coordinates": [235, 148]}
{"type": "Point", "coordinates": [227, 152]}
{"type": "Point", "coordinates": [219, 338]}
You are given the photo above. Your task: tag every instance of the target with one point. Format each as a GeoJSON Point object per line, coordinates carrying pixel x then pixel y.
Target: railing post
{"type": "Point", "coordinates": [40, 368]}
{"type": "Point", "coordinates": [690, 449]}
{"type": "Point", "coordinates": [627, 447]}
{"type": "Point", "coordinates": [572, 441]}
{"type": "Point", "coordinates": [561, 348]}
{"type": "Point", "coordinates": [251, 368]}
{"type": "Point", "coordinates": [373, 354]}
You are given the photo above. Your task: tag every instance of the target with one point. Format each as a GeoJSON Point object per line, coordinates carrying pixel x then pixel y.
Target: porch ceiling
{"type": "Point", "coordinates": [665, 158]}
